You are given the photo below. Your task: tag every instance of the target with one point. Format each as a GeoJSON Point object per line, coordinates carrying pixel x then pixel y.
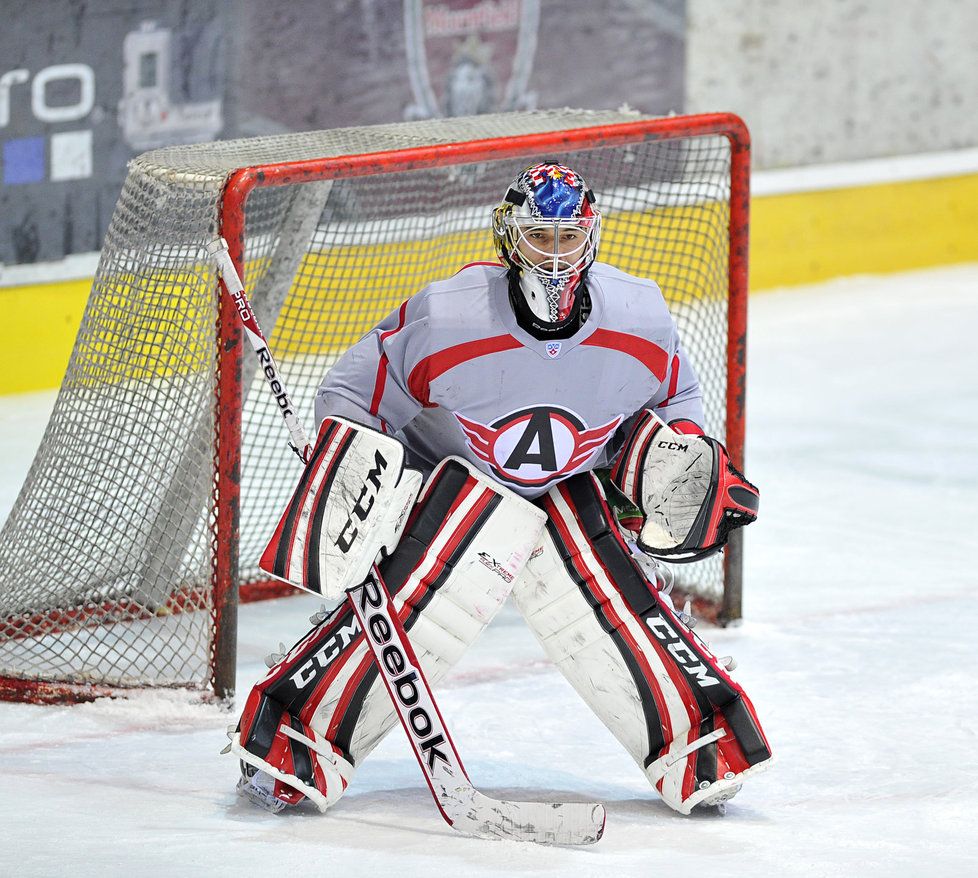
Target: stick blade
{"type": "Point", "coordinates": [553, 823]}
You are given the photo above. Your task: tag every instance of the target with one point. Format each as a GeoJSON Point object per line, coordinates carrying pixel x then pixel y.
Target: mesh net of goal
{"type": "Point", "coordinates": [107, 559]}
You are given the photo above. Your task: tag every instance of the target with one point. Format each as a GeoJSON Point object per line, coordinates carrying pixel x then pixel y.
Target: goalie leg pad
{"type": "Point", "coordinates": [467, 541]}
{"type": "Point", "coordinates": [653, 683]}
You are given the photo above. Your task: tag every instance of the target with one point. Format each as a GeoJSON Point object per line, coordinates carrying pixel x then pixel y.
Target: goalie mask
{"type": "Point", "coordinates": [547, 229]}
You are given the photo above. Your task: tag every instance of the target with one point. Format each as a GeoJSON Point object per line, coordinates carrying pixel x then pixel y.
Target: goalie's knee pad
{"type": "Point", "coordinates": [652, 682]}
{"type": "Point", "coordinates": [466, 542]}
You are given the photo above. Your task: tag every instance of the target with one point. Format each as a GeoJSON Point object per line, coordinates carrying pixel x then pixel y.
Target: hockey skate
{"type": "Point", "coordinates": [259, 787]}
{"type": "Point", "coordinates": [283, 761]}
{"type": "Point", "coordinates": [717, 803]}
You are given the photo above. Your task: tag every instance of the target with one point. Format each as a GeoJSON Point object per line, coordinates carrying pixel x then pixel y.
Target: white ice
{"type": "Point", "coordinates": [858, 650]}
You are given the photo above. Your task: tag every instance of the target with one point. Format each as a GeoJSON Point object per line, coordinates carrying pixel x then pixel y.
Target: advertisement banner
{"type": "Point", "coordinates": [84, 87]}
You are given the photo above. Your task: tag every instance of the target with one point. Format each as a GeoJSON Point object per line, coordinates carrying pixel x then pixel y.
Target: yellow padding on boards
{"type": "Point", "coordinates": [795, 238]}
{"type": "Point", "coordinates": [810, 236]}
{"type": "Point", "coordinates": [343, 291]}
{"type": "Point", "coordinates": [40, 323]}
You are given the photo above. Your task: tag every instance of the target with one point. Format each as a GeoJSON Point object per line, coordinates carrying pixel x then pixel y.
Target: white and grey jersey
{"type": "Point", "coordinates": [451, 372]}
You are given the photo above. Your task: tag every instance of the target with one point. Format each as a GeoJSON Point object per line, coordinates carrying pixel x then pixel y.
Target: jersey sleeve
{"type": "Point", "coordinates": [680, 397]}
{"type": "Point", "coordinates": [368, 384]}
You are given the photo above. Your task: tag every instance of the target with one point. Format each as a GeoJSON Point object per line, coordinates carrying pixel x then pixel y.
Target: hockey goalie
{"type": "Point", "coordinates": [467, 446]}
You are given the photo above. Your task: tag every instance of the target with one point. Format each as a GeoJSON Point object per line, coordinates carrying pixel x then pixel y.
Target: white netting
{"type": "Point", "coordinates": [106, 560]}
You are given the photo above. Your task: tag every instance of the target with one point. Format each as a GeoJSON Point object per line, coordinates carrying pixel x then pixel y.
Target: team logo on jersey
{"type": "Point", "coordinates": [537, 445]}
{"type": "Point", "coordinates": [553, 348]}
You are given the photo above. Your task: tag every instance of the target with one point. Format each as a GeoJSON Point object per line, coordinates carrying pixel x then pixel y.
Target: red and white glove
{"type": "Point", "coordinates": [690, 493]}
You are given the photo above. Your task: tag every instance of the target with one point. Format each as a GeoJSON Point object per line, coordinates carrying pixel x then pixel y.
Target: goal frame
{"type": "Point", "coordinates": [229, 386]}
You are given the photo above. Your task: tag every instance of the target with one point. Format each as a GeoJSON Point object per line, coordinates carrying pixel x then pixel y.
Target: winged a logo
{"type": "Point", "coordinates": [536, 446]}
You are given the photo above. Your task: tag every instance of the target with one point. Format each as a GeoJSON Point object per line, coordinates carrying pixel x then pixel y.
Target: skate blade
{"type": "Point", "coordinates": [259, 796]}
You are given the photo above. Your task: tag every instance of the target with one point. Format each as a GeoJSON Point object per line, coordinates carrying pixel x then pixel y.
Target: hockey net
{"type": "Point", "coordinates": [163, 468]}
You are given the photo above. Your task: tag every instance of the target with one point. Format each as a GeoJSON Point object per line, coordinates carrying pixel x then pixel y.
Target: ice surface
{"type": "Point", "coordinates": [858, 650]}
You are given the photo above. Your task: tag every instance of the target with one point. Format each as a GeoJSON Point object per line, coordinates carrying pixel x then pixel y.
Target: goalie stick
{"type": "Point", "coordinates": [464, 808]}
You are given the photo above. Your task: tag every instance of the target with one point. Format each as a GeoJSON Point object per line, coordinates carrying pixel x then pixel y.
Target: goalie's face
{"type": "Point", "coordinates": [556, 249]}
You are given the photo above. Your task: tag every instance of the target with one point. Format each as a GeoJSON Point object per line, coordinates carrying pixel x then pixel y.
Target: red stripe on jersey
{"type": "Point", "coordinates": [646, 352]}
{"type": "Point", "coordinates": [673, 380]}
{"type": "Point", "coordinates": [438, 363]}
{"type": "Point", "coordinates": [381, 381]}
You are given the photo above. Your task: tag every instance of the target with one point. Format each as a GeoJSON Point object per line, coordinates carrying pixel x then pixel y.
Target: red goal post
{"type": "Point", "coordinates": [328, 237]}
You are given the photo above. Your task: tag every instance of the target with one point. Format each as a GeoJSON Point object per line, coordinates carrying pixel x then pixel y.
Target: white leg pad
{"type": "Point", "coordinates": [465, 545]}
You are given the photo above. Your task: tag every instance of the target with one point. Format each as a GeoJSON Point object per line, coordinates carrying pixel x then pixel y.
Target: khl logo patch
{"type": "Point", "coordinates": [553, 348]}
{"type": "Point", "coordinates": [537, 445]}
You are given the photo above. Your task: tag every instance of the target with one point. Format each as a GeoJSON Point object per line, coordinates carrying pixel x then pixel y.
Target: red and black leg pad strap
{"type": "Point", "coordinates": [301, 762]}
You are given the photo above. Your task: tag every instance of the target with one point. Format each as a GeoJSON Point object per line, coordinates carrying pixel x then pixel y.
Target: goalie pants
{"type": "Point", "coordinates": [662, 694]}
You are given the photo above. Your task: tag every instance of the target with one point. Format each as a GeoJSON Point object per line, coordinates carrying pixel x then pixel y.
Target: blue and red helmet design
{"type": "Point", "coordinates": [554, 191]}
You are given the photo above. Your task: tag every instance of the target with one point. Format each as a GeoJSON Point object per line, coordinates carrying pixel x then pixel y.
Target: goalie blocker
{"type": "Point", "coordinates": [689, 492]}
{"type": "Point", "coordinates": [351, 504]}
